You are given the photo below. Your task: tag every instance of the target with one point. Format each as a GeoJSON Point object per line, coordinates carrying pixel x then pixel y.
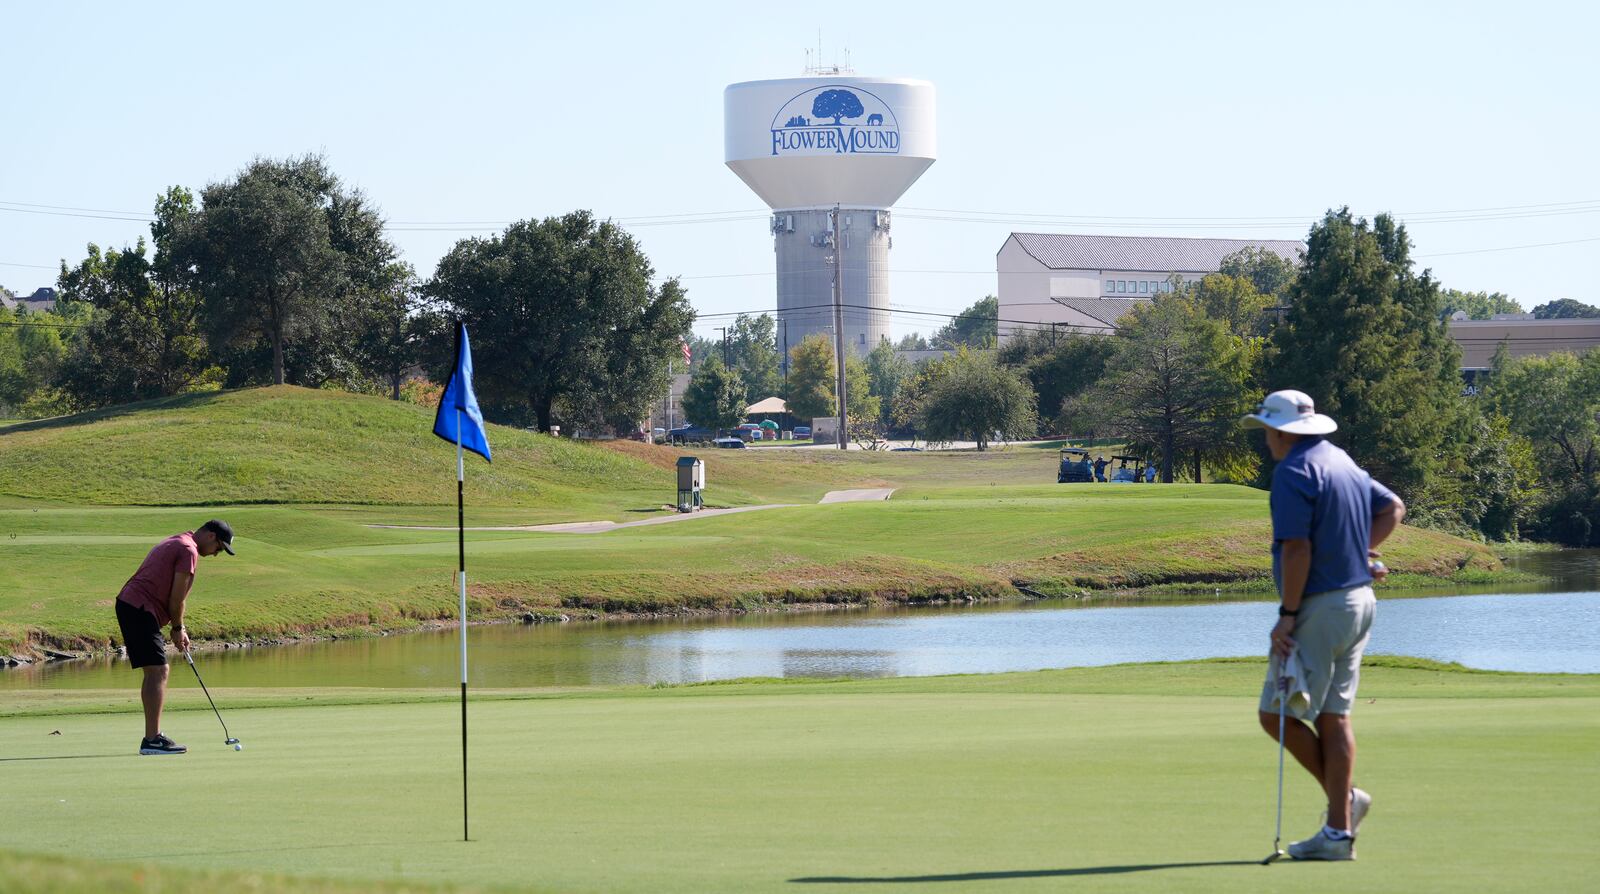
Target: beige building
{"type": "Point", "coordinates": [1086, 283]}
{"type": "Point", "coordinates": [1479, 339]}
{"type": "Point", "coordinates": [667, 413]}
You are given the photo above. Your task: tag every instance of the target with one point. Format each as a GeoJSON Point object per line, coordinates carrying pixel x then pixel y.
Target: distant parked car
{"type": "Point", "coordinates": [749, 431]}
{"type": "Point", "coordinates": [802, 433]}
{"type": "Point", "coordinates": [683, 434]}
{"type": "Point", "coordinates": [729, 443]}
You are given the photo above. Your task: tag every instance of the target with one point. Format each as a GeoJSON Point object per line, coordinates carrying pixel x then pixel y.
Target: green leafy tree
{"type": "Point", "coordinates": [752, 344]}
{"type": "Point", "coordinates": [144, 338]}
{"type": "Point", "coordinates": [1058, 365]}
{"type": "Point", "coordinates": [1175, 386]}
{"type": "Point", "coordinates": [1565, 309]}
{"type": "Point", "coordinates": [562, 313]}
{"type": "Point", "coordinates": [715, 396]}
{"type": "Point", "coordinates": [886, 369]}
{"type": "Point", "coordinates": [1268, 272]}
{"type": "Point", "coordinates": [32, 349]}
{"type": "Point", "coordinates": [383, 334]}
{"type": "Point", "coordinates": [865, 407]}
{"type": "Point", "coordinates": [905, 410]}
{"type": "Point", "coordinates": [974, 397]}
{"type": "Point", "coordinates": [278, 252]}
{"type": "Point", "coordinates": [1490, 487]}
{"type": "Point", "coordinates": [976, 327]}
{"type": "Point", "coordinates": [811, 378]}
{"type": "Point", "coordinates": [1235, 302]}
{"type": "Point", "coordinates": [913, 341]}
{"type": "Point", "coordinates": [1476, 305]}
{"type": "Point", "coordinates": [1364, 338]}
{"type": "Point", "coordinates": [1554, 402]}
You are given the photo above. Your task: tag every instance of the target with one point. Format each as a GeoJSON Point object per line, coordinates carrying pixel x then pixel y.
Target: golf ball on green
{"type": "Point", "coordinates": [238, 748]}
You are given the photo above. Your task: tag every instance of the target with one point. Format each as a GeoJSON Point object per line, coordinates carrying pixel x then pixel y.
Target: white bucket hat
{"type": "Point", "coordinates": [1292, 412]}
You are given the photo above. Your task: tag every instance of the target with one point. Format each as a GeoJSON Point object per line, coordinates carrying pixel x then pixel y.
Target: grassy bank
{"type": "Point", "coordinates": [308, 571]}
{"type": "Point", "coordinates": [1150, 777]}
{"type": "Point", "coordinates": [302, 475]}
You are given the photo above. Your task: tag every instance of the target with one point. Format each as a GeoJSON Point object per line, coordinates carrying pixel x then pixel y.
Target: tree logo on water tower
{"type": "Point", "coordinates": [835, 120]}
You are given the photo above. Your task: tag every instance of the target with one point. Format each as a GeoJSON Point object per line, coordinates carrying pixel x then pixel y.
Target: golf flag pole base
{"type": "Point", "coordinates": [461, 543]}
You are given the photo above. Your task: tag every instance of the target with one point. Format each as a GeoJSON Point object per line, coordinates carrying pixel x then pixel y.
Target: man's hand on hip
{"type": "Point", "coordinates": [1283, 636]}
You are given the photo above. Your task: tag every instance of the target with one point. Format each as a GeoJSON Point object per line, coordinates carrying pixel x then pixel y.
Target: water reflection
{"type": "Point", "coordinates": [1558, 632]}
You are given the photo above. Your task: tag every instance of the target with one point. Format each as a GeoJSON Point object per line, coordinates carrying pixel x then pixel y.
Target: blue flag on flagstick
{"type": "Point", "coordinates": [458, 395]}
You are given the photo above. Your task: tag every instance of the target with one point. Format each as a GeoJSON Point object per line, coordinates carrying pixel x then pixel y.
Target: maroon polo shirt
{"type": "Point", "coordinates": [150, 588]}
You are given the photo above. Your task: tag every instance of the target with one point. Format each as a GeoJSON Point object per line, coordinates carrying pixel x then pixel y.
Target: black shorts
{"type": "Point", "coordinates": [142, 635]}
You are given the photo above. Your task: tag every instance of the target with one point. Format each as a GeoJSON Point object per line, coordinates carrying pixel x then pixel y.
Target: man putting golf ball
{"type": "Point", "coordinates": [1328, 517]}
{"type": "Point", "coordinates": [156, 596]}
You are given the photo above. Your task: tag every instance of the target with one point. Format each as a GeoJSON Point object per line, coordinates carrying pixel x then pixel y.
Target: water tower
{"type": "Point", "coordinates": [813, 145]}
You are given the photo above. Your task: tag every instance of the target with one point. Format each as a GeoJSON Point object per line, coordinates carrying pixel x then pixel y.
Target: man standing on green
{"type": "Point", "coordinates": [154, 597]}
{"type": "Point", "coordinates": [1328, 515]}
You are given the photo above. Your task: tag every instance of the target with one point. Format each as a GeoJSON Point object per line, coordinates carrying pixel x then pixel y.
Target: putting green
{"type": "Point", "coordinates": [1109, 779]}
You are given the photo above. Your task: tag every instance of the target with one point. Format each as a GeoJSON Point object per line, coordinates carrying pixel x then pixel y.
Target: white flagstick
{"type": "Point", "coordinates": [461, 541]}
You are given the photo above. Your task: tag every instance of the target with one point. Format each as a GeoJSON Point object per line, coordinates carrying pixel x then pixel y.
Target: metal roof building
{"type": "Point", "coordinates": [1086, 283]}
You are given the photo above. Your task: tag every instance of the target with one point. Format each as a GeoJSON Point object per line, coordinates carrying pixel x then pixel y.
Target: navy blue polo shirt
{"type": "Point", "coordinates": [1320, 494]}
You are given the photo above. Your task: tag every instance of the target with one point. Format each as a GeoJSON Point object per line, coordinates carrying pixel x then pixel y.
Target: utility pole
{"type": "Point", "coordinates": [724, 331]}
{"type": "Point", "coordinates": [784, 325]}
{"type": "Point", "coordinates": [838, 325]}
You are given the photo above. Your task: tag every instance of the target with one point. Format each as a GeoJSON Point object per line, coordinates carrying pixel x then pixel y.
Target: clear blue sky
{"type": "Point", "coordinates": [493, 112]}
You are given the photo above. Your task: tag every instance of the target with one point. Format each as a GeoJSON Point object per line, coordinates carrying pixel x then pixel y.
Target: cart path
{"type": "Point", "coordinates": [857, 496]}
{"type": "Point", "coordinates": [600, 527]}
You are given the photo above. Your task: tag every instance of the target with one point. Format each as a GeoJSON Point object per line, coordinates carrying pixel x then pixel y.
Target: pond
{"type": "Point", "coordinates": [1536, 632]}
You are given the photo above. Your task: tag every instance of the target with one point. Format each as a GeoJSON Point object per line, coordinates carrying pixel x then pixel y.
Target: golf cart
{"type": "Point", "coordinates": [1075, 467]}
{"type": "Point", "coordinates": [1129, 470]}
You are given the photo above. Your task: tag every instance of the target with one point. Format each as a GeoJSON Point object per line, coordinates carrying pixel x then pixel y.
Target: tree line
{"type": "Point", "coordinates": [1354, 323]}
{"type": "Point", "coordinates": [282, 274]}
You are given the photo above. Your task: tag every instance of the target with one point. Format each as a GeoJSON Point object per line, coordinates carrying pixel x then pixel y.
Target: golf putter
{"type": "Point", "coordinates": [227, 739]}
{"type": "Point", "coordinates": [1277, 835]}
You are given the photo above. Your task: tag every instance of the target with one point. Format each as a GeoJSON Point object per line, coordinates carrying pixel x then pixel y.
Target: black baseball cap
{"type": "Point", "coordinates": [223, 531]}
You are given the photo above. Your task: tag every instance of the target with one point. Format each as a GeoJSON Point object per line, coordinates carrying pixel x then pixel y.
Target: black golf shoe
{"type": "Point", "coordinates": [160, 745]}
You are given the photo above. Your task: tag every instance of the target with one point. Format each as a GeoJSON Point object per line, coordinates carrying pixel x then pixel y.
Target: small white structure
{"type": "Point", "coordinates": [1086, 283]}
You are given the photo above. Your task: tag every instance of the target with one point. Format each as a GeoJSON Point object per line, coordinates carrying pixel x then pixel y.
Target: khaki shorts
{"type": "Point", "coordinates": [1330, 635]}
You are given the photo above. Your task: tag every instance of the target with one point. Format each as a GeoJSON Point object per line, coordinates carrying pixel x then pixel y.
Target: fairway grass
{"type": "Point", "coordinates": [1135, 778]}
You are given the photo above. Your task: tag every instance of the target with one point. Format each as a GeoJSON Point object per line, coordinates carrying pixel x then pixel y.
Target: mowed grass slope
{"type": "Point", "coordinates": [290, 445]}
{"type": "Point", "coordinates": [1134, 778]}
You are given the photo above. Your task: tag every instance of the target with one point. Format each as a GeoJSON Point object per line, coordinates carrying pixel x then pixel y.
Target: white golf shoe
{"type": "Point", "coordinates": [1321, 847]}
{"type": "Point", "coordinates": [1360, 803]}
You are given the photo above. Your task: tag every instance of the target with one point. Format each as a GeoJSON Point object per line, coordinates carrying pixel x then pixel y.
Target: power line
{"type": "Point", "coordinates": [1257, 219]}
{"type": "Point", "coordinates": [1479, 251]}
{"type": "Point", "coordinates": [960, 215]}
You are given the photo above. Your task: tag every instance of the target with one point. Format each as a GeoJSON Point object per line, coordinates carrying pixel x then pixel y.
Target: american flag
{"type": "Point", "coordinates": [686, 355]}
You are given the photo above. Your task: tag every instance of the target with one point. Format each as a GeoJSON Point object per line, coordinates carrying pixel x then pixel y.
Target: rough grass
{"type": "Point", "coordinates": [1132, 778]}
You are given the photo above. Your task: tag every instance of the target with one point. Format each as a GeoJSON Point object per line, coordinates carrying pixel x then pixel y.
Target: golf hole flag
{"type": "Point", "coordinates": [461, 422]}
